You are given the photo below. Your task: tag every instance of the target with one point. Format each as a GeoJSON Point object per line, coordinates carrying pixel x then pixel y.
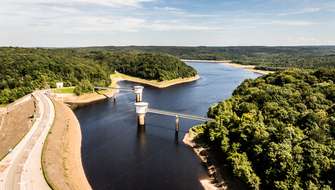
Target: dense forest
{"type": "Point", "coordinates": [23, 70]}
{"type": "Point", "coordinates": [152, 66]}
{"type": "Point", "coordinates": [278, 131]}
{"type": "Point", "coordinates": [267, 57]}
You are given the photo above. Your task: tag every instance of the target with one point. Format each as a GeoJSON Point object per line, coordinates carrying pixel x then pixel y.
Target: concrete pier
{"type": "Point", "coordinates": [138, 90]}
{"type": "Point", "coordinates": [177, 124]}
{"type": "Point", "coordinates": [141, 110]}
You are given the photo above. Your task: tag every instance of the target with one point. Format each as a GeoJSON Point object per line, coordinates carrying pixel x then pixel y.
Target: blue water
{"type": "Point", "coordinates": [117, 154]}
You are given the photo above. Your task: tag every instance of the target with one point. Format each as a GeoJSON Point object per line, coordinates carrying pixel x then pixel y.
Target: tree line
{"type": "Point", "coordinates": [278, 131]}
{"type": "Point", "coordinates": [269, 58]}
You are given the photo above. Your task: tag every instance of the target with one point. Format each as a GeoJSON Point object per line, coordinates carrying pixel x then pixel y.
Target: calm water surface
{"type": "Point", "coordinates": [117, 155]}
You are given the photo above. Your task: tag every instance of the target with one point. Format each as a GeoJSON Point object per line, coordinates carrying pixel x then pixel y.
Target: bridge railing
{"type": "Point", "coordinates": [116, 88]}
{"type": "Point", "coordinates": [180, 115]}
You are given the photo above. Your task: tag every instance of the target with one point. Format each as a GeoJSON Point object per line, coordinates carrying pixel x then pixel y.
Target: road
{"type": "Point", "coordinates": [21, 169]}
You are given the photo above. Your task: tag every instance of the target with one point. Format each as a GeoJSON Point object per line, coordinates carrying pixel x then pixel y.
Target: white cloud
{"type": "Point", "coordinates": [292, 23]}
{"type": "Point", "coordinates": [116, 3]}
{"type": "Point", "coordinates": [109, 24]}
{"type": "Point", "coordinates": [135, 21]}
{"type": "Point", "coordinates": [177, 25]}
{"type": "Point", "coordinates": [301, 11]}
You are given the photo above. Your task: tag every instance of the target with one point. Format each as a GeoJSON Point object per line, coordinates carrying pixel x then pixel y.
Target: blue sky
{"type": "Point", "coordinates": [64, 23]}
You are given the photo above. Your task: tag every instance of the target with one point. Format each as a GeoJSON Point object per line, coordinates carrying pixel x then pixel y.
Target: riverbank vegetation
{"type": "Point", "coordinates": [268, 58]}
{"type": "Point", "coordinates": [154, 83]}
{"type": "Point", "coordinates": [278, 131]}
{"type": "Point", "coordinates": [23, 70]}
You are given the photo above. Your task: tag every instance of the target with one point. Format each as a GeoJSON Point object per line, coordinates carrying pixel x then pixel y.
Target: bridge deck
{"type": "Point", "coordinates": [181, 115]}
{"type": "Point", "coordinates": [116, 88]}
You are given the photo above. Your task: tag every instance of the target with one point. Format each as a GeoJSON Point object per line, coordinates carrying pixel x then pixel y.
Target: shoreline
{"type": "Point", "coordinates": [219, 176]}
{"type": "Point", "coordinates": [61, 155]}
{"type": "Point", "coordinates": [154, 83]}
{"type": "Point", "coordinates": [214, 181]}
{"type": "Point", "coordinates": [250, 68]}
{"type": "Point", "coordinates": [78, 101]}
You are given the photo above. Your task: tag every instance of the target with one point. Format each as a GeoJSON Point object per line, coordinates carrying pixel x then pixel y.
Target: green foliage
{"type": "Point", "coordinates": [22, 70]}
{"type": "Point", "coordinates": [277, 131]}
{"type": "Point", "coordinates": [265, 58]}
{"type": "Point", "coordinates": [64, 90]}
{"type": "Point", "coordinates": [242, 168]}
{"type": "Point", "coordinates": [146, 65]}
{"type": "Point", "coordinates": [83, 86]}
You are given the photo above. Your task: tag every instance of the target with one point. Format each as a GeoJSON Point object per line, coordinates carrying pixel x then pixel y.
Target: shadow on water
{"type": "Point", "coordinates": [117, 154]}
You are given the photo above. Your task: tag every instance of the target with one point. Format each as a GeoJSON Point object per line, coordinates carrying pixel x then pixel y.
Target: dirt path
{"type": "Point", "coordinates": [61, 158]}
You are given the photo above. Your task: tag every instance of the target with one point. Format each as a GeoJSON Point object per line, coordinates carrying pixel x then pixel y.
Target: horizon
{"type": "Point", "coordinates": [188, 23]}
{"type": "Point", "coordinates": [106, 46]}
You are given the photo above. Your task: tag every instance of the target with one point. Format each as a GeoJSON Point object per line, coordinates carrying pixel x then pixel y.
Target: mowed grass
{"type": "Point", "coordinates": [64, 90]}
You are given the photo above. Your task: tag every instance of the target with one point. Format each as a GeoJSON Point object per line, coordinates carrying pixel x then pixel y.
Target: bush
{"type": "Point", "coordinates": [84, 86]}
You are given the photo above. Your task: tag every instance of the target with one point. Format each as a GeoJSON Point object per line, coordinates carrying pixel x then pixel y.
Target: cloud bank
{"type": "Point", "coordinates": [160, 22]}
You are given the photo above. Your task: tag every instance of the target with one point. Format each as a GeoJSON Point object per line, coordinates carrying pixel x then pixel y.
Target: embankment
{"type": "Point", "coordinates": [220, 177]}
{"type": "Point", "coordinates": [61, 159]}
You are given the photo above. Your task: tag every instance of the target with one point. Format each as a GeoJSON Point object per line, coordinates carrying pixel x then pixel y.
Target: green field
{"type": "Point", "coordinates": [64, 90]}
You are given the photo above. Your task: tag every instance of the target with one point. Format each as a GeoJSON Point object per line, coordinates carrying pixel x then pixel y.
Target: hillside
{"type": "Point", "coordinates": [268, 57]}
{"type": "Point", "coordinates": [278, 131]}
{"type": "Point", "coordinates": [23, 70]}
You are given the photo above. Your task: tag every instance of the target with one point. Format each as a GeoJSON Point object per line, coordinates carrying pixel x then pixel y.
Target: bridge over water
{"type": "Point", "coordinates": [114, 88]}
{"type": "Point", "coordinates": [180, 115]}
{"type": "Point", "coordinates": [142, 108]}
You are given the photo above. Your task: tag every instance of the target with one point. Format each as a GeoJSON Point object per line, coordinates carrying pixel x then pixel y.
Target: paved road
{"type": "Point", "coordinates": [21, 169]}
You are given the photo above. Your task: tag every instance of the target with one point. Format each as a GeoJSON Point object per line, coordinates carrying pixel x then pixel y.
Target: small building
{"type": "Point", "coordinates": [59, 84]}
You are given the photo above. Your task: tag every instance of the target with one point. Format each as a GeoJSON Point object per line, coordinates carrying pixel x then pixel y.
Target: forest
{"type": "Point", "coordinates": [277, 131]}
{"type": "Point", "coordinates": [270, 58]}
{"type": "Point", "coordinates": [23, 70]}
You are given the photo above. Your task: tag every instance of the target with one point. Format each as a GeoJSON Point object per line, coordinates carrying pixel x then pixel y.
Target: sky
{"type": "Point", "coordinates": [75, 23]}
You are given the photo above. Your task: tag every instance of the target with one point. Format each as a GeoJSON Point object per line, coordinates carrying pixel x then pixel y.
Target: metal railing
{"type": "Point", "coordinates": [180, 115]}
{"type": "Point", "coordinates": [116, 88]}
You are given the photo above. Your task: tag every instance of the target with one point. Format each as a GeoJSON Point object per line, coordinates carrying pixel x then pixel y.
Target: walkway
{"type": "Point", "coordinates": [180, 115]}
{"type": "Point", "coordinates": [115, 88]}
{"type": "Point", "coordinates": [21, 169]}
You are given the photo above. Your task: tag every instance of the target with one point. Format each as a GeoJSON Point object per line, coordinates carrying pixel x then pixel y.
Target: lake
{"type": "Point", "coordinates": [116, 154]}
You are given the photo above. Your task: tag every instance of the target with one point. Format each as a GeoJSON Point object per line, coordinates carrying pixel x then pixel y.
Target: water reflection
{"type": "Point", "coordinates": [176, 137]}
{"type": "Point", "coordinates": [141, 135]}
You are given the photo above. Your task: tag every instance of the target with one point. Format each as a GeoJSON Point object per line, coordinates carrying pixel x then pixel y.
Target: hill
{"type": "Point", "coordinates": [23, 70]}
{"type": "Point", "coordinates": [278, 131]}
